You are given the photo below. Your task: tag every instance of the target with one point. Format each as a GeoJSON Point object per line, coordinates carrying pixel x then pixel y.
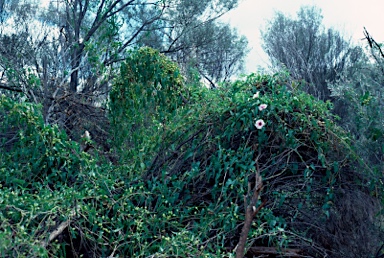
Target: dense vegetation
{"type": "Point", "coordinates": [166, 167]}
{"type": "Point", "coordinates": [184, 158]}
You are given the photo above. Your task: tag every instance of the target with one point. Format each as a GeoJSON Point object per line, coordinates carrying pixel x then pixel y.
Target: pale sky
{"type": "Point", "coordinates": [348, 16]}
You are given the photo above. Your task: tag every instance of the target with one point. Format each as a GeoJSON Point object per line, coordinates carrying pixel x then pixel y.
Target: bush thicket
{"type": "Point", "coordinates": [186, 157]}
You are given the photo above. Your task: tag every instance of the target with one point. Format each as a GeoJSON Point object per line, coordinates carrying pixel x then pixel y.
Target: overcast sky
{"type": "Point", "coordinates": [348, 16]}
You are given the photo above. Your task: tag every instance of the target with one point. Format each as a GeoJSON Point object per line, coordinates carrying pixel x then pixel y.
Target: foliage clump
{"type": "Point", "coordinates": [144, 98]}
{"type": "Point", "coordinates": [34, 152]}
{"type": "Point", "coordinates": [40, 168]}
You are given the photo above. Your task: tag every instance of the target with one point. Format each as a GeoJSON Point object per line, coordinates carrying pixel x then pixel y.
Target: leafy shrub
{"type": "Point", "coordinates": [39, 166]}
{"type": "Point", "coordinates": [32, 152]}
{"type": "Point", "coordinates": [143, 99]}
{"type": "Point", "coordinates": [299, 152]}
{"type": "Point", "coordinates": [206, 157]}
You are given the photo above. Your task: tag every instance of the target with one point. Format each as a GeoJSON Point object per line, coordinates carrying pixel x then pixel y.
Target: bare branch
{"type": "Point", "coordinates": [250, 213]}
{"type": "Point", "coordinates": [372, 42]}
{"type": "Point", "coordinates": [6, 87]}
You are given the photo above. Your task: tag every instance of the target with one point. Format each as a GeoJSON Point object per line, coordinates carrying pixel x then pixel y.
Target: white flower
{"type": "Point", "coordinates": [259, 123]}
{"type": "Point", "coordinates": [256, 95]}
{"type": "Point", "coordinates": [86, 135]}
{"type": "Point", "coordinates": [263, 106]}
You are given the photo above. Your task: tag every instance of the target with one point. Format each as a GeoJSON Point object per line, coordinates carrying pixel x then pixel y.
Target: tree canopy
{"type": "Point", "coordinates": [307, 50]}
{"type": "Point", "coordinates": [70, 51]}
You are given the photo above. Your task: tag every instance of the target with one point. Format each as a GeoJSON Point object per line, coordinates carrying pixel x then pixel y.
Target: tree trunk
{"type": "Point", "coordinates": [75, 66]}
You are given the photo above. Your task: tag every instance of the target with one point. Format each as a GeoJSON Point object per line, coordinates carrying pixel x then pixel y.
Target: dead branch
{"type": "Point", "coordinates": [286, 252]}
{"type": "Point", "coordinates": [6, 87]}
{"type": "Point", "coordinates": [250, 213]}
{"type": "Point", "coordinates": [62, 226]}
{"type": "Point", "coordinates": [372, 43]}
{"type": "Point", "coordinates": [56, 232]}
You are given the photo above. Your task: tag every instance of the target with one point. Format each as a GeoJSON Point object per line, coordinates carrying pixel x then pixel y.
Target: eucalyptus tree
{"type": "Point", "coordinates": [359, 93]}
{"type": "Point", "coordinates": [190, 33]}
{"type": "Point", "coordinates": [220, 54]}
{"type": "Point", "coordinates": [79, 39]}
{"type": "Point", "coordinates": [72, 48]}
{"type": "Point", "coordinates": [98, 25]}
{"type": "Point", "coordinates": [17, 46]}
{"type": "Point", "coordinates": [308, 50]}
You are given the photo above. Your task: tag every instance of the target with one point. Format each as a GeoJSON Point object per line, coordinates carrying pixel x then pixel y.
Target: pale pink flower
{"type": "Point", "coordinates": [263, 106]}
{"type": "Point", "coordinates": [259, 123]}
{"type": "Point", "coordinates": [256, 95]}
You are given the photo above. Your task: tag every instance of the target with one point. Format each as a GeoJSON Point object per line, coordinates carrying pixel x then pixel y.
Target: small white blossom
{"type": "Point", "coordinates": [86, 135]}
{"type": "Point", "coordinates": [263, 106]}
{"type": "Point", "coordinates": [256, 95]}
{"type": "Point", "coordinates": [259, 123]}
